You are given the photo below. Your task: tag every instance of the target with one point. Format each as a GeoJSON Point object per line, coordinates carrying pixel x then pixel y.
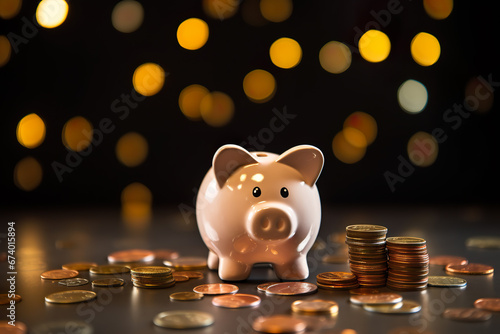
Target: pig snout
{"type": "Point", "coordinates": [272, 222]}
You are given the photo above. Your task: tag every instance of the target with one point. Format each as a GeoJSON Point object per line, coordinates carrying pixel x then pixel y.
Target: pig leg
{"type": "Point", "coordinates": [231, 270]}
{"type": "Point", "coordinates": [293, 270]}
{"type": "Point", "coordinates": [212, 261]}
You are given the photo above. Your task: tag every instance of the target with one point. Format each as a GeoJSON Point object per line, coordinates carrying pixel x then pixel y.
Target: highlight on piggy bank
{"type": "Point", "coordinates": [260, 207]}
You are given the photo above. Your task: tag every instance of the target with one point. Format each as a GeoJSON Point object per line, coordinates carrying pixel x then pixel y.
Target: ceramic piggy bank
{"type": "Point", "coordinates": [259, 207]}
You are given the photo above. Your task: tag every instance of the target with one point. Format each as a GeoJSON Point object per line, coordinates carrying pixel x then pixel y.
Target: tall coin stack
{"type": "Point", "coordinates": [408, 263]}
{"type": "Point", "coordinates": [152, 277]}
{"type": "Point", "coordinates": [367, 254]}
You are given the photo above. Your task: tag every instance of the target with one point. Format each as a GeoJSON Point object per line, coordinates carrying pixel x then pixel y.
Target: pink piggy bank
{"type": "Point", "coordinates": [259, 207]}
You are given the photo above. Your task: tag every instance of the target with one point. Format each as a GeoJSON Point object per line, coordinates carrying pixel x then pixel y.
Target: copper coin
{"type": "Point", "coordinates": [238, 300]}
{"type": "Point", "coordinates": [471, 268]}
{"type": "Point", "coordinates": [338, 287]}
{"type": "Point", "coordinates": [263, 287]}
{"type": "Point", "coordinates": [59, 274]}
{"type": "Point", "coordinates": [379, 298]}
{"type": "Point", "coordinates": [180, 278]}
{"type": "Point", "coordinates": [4, 298]}
{"type": "Point", "coordinates": [444, 260]}
{"type": "Point", "coordinates": [291, 288]}
{"type": "Point", "coordinates": [466, 314]}
{"type": "Point", "coordinates": [77, 281]}
{"type": "Point", "coordinates": [131, 255]}
{"type": "Point", "coordinates": [166, 254]}
{"type": "Point", "coordinates": [364, 291]}
{"type": "Point", "coordinates": [109, 270]}
{"type": "Point", "coordinates": [488, 304]}
{"type": "Point", "coordinates": [186, 295]}
{"type": "Point", "coordinates": [79, 266]}
{"type": "Point", "coordinates": [19, 328]}
{"type": "Point", "coordinates": [216, 289]}
{"type": "Point", "coordinates": [189, 273]}
{"type": "Point", "coordinates": [335, 276]}
{"type": "Point", "coordinates": [279, 324]}
{"type": "Point", "coordinates": [108, 282]}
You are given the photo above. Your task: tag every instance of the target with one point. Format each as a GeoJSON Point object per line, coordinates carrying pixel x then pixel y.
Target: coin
{"type": "Point", "coordinates": [483, 242]}
{"type": "Point", "coordinates": [471, 268]}
{"type": "Point", "coordinates": [59, 274]}
{"type": "Point", "coordinates": [108, 282]}
{"type": "Point", "coordinates": [4, 298]}
{"type": "Point", "coordinates": [183, 319]}
{"type": "Point", "coordinates": [237, 300]}
{"type": "Point", "coordinates": [109, 270]}
{"type": "Point", "coordinates": [186, 295]}
{"type": "Point", "coordinates": [402, 241]}
{"type": "Point", "coordinates": [378, 298]}
{"type": "Point", "coordinates": [335, 276]}
{"type": "Point", "coordinates": [165, 254]}
{"type": "Point", "coordinates": [446, 281]}
{"type": "Point", "coordinates": [180, 278]}
{"type": "Point", "coordinates": [364, 229]}
{"type": "Point", "coordinates": [467, 314]}
{"type": "Point", "coordinates": [291, 288]}
{"type": "Point", "coordinates": [67, 326]}
{"type": "Point", "coordinates": [74, 281]}
{"type": "Point", "coordinates": [408, 263]}
{"type": "Point", "coordinates": [279, 324]}
{"type": "Point", "coordinates": [489, 304]}
{"type": "Point", "coordinates": [316, 306]}
{"type": "Point", "coordinates": [151, 271]}
{"type": "Point", "coordinates": [6, 328]}
{"type": "Point", "coordinates": [404, 307]}
{"type": "Point", "coordinates": [189, 273]}
{"type": "Point", "coordinates": [263, 287]}
{"type": "Point", "coordinates": [70, 296]}
{"type": "Point", "coordinates": [216, 289]}
{"type": "Point", "coordinates": [79, 266]}
{"type": "Point", "coordinates": [187, 263]}
{"type": "Point", "coordinates": [131, 255]}
{"type": "Point", "coordinates": [444, 260]}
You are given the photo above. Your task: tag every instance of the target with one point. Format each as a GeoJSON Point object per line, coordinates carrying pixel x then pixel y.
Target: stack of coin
{"type": "Point", "coordinates": [152, 277]}
{"type": "Point", "coordinates": [408, 263]}
{"type": "Point", "coordinates": [367, 254]}
{"type": "Point", "coordinates": [337, 280]}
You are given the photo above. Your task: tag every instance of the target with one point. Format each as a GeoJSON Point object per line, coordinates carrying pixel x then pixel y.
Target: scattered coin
{"type": "Point", "coordinates": [186, 295]}
{"type": "Point", "coordinates": [316, 306]}
{"type": "Point", "coordinates": [109, 270]}
{"type": "Point", "coordinates": [108, 282]}
{"type": "Point", "coordinates": [379, 298]}
{"type": "Point", "coordinates": [471, 268]}
{"type": "Point", "coordinates": [467, 314]}
{"type": "Point", "coordinates": [189, 273]}
{"type": "Point", "coordinates": [59, 274]}
{"type": "Point", "coordinates": [187, 263]}
{"type": "Point", "coordinates": [488, 304]}
{"type": "Point", "coordinates": [444, 260]}
{"type": "Point", "coordinates": [6, 328]}
{"type": "Point", "coordinates": [404, 307]}
{"type": "Point", "coordinates": [77, 281]}
{"type": "Point", "coordinates": [79, 266]}
{"type": "Point", "coordinates": [68, 326]}
{"type": "Point", "coordinates": [291, 288]}
{"type": "Point", "coordinates": [483, 242]}
{"type": "Point", "coordinates": [70, 296]}
{"type": "Point", "coordinates": [446, 281]}
{"type": "Point", "coordinates": [263, 287]}
{"type": "Point", "coordinates": [363, 291]}
{"type": "Point", "coordinates": [216, 289]}
{"type": "Point", "coordinates": [4, 298]}
{"type": "Point", "coordinates": [166, 254]}
{"type": "Point", "coordinates": [279, 324]}
{"type": "Point", "coordinates": [131, 255]}
{"type": "Point", "coordinates": [183, 319]}
{"type": "Point", "coordinates": [180, 278]}
{"type": "Point", "coordinates": [237, 300]}
{"type": "Point", "coordinates": [152, 277]}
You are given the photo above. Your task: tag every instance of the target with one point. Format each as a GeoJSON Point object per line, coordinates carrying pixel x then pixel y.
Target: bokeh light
{"type": "Point", "coordinates": [77, 133]}
{"type": "Point", "coordinates": [127, 16]}
{"type": "Point", "coordinates": [51, 13]}
{"type": "Point", "coordinates": [132, 149]}
{"type": "Point", "coordinates": [422, 149]}
{"type": "Point", "coordinates": [9, 8]}
{"type": "Point", "coordinates": [217, 109]}
{"type": "Point", "coordinates": [192, 34]}
{"type": "Point", "coordinates": [136, 201]}
{"type": "Point", "coordinates": [438, 9]}
{"type": "Point", "coordinates": [374, 46]}
{"type": "Point", "coordinates": [412, 96]}
{"type": "Point", "coordinates": [220, 9]}
{"type": "Point", "coordinates": [478, 95]}
{"type": "Point", "coordinates": [425, 49]}
{"type": "Point", "coordinates": [30, 131]}
{"type": "Point", "coordinates": [285, 52]}
{"type": "Point", "coordinates": [148, 79]}
{"type": "Point", "coordinates": [355, 137]}
{"type": "Point", "coordinates": [344, 150]}
{"type": "Point", "coordinates": [190, 100]}
{"type": "Point", "coordinates": [5, 50]}
{"type": "Point", "coordinates": [259, 86]}
{"type": "Point", "coordinates": [363, 122]}
{"type": "Point", "coordinates": [28, 174]}
{"type": "Point", "coordinates": [335, 57]}
{"type": "Point", "coordinates": [276, 10]}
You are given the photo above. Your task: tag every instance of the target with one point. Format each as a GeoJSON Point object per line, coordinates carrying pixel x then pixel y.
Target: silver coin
{"type": "Point", "coordinates": [446, 281]}
{"type": "Point", "coordinates": [183, 319]}
{"type": "Point", "coordinates": [77, 281]}
{"type": "Point", "coordinates": [404, 307]}
{"type": "Point", "coordinates": [68, 326]}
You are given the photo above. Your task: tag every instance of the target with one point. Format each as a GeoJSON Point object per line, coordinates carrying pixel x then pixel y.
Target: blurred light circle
{"type": "Point", "coordinates": [438, 9]}
{"type": "Point", "coordinates": [77, 133]}
{"type": "Point", "coordinates": [9, 8]}
{"type": "Point", "coordinates": [51, 13]}
{"type": "Point", "coordinates": [148, 79]}
{"type": "Point", "coordinates": [127, 16]}
{"type": "Point", "coordinates": [30, 131]}
{"type": "Point", "coordinates": [5, 50]}
{"type": "Point", "coordinates": [355, 137]}
{"type": "Point", "coordinates": [192, 34]}
{"type": "Point", "coordinates": [190, 100]}
{"type": "Point", "coordinates": [412, 96]}
{"type": "Point", "coordinates": [28, 174]}
{"type": "Point", "coordinates": [374, 46]}
{"type": "Point", "coordinates": [345, 151]}
{"type": "Point", "coordinates": [425, 49]}
{"type": "Point", "coordinates": [478, 95]}
{"type": "Point", "coordinates": [276, 10]}
{"type": "Point", "coordinates": [136, 193]}
{"type": "Point", "coordinates": [285, 52]}
{"type": "Point", "coordinates": [363, 122]}
{"type": "Point", "coordinates": [259, 86]}
{"type": "Point", "coordinates": [217, 109]}
{"type": "Point", "coordinates": [422, 149]}
{"type": "Point", "coordinates": [132, 149]}
{"type": "Point", "coordinates": [220, 9]}
{"type": "Point", "coordinates": [335, 57]}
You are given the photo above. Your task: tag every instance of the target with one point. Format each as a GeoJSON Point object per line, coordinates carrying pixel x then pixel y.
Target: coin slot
{"type": "Point", "coordinates": [261, 155]}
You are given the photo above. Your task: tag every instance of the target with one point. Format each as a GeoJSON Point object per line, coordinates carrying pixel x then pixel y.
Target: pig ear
{"type": "Point", "coordinates": [306, 159]}
{"type": "Point", "coordinates": [227, 159]}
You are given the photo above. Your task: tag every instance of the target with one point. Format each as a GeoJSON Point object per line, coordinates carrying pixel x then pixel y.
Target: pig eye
{"type": "Point", "coordinates": [256, 192]}
{"type": "Point", "coordinates": [284, 192]}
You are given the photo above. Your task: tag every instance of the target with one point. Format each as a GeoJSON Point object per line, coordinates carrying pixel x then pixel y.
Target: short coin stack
{"type": "Point", "coordinates": [367, 254]}
{"type": "Point", "coordinates": [337, 280]}
{"type": "Point", "coordinates": [152, 277]}
{"type": "Point", "coordinates": [408, 263]}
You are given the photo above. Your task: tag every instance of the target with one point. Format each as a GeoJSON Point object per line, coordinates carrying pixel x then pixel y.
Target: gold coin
{"type": "Point", "coordinates": [316, 306]}
{"type": "Point", "coordinates": [59, 274]}
{"type": "Point", "coordinates": [186, 295]}
{"type": "Point", "coordinates": [405, 241]}
{"type": "Point", "coordinates": [483, 242]}
{"type": "Point", "coordinates": [151, 271]}
{"type": "Point", "coordinates": [109, 270]}
{"type": "Point", "coordinates": [279, 324]}
{"type": "Point", "coordinates": [79, 266]}
{"type": "Point", "coordinates": [77, 281]}
{"type": "Point", "coordinates": [189, 273]}
{"type": "Point", "coordinates": [404, 307]}
{"type": "Point", "coordinates": [183, 319]}
{"type": "Point", "coordinates": [187, 263]}
{"type": "Point", "coordinates": [291, 288]}
{"type": "Point", "coordinates": [4, 298]}
{"type": "Point", "coordinates": [446, 281]}
{"type": "Point", "coordinates": [237, 300]}
{"type": "Point", "coordinates": [365, 229]}
{"type": "Point", "coordinates": [108, 282]}
{"type": "Point", "coordinates": [70, 296]}
{"type": "Point", "coordinates": [216, 289]}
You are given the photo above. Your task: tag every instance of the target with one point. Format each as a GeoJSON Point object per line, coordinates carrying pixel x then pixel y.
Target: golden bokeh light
{"type": "Point", "coordinates": [192, 34]}
{"type": "Point", "coordinates": [355, 137]}
{"type": "Point", "coordinates": [335, 57]}
{"type": "Point", "coordinates": [136, 201]}
{"type": "Point", "coordinates": [9, 8]}
{"type": "Point", "coordinates": [422, 149]}
{"type": "Point", "coordinates": [374, 46]}
{"type": "Point", "coordinates": [438, 9]}
{"type": "Point", "coordinates": [77, 133]}
{"type": "Point", "coordinates": [276, 10]}
{"type": "Point", "coordinates": [412, 96]}
{"type": "Point", "coordinates": [478, 95]}
{"type": "Point", "coordinates": [148, 79]}
{"type": "Point", "coordinates": [217, 109]}
{"type": "Point", "coordinates": [220, 9]}
{"type": "Point", "coordinates": [5, 50]}
{"type": "Point", "coordinates": [51, 13]}
{"type": "Point", "coordinates": [132, 149]}
{"type": "Point", "coordinates": [425, 49]}
{"type": "Point", "coordinates": [28, 174]}
{"type": "Point", "coordinates": [259, 86]}
{"type": "Point", "coordinates": [285, 52]}
{"type": "Point", "coordinates": [127, 16]}
{"type": "Point", "coordinates": [345, 151]}
{"type": "Point", "coordinates": [363, 122]}
{"type": "Point", "coordinates": [190, 99]}
{"type": "Point", "coordinates": [30, 131]}
{"type": "Point", "coordinates": [136, 192]}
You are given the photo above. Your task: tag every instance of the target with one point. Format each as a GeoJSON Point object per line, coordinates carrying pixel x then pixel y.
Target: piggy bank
{"type": "Point", "coordinates": [258, 207]}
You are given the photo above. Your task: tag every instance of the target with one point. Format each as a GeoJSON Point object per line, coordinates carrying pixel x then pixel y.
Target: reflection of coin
{"type": "Point", "coordinates": [216, 289]}
{"type": "Point", "coordinates": [19, 328]}
{"type": "Point", "coordinates": [404, 307]}
{"type": "Point", "coordinates": [180, 278]}
{"type": "Point", "coordinates": [131, 255]}
{"type": "Point", "coordinates": [59, 274]}
{"type": "Point", "coordinates": [108, 282]}
{"type": "Point", "coordinates": [109, 270]}
{"type": "Point", "coordinates": [444, 260]}
{"type": "Point", "coordinates": [471, 268]}
{"type": "Point", "coordinates": [4, 299]}
{"type": "Point", "coordinates": [70, 296]}
{"type": "Point", "coordinates": [316, 306]}
{"type": "Point", "coordinates": [237, 300]}
{"type": "Point", "coordinates": [489, 304]}
{"type": "Point", "coordinates": [186, 295]}
{"type": "Point", "coordinates": [466, 314]}
{"type": "Point", "coordinates": [77, 327]}
{"type": "Point", "coordinates": [279, 324]}
{"type": "Point", "coordinates": [446, 281]}
{"type": "Point", "coordinates": [79, 266]}
{"type": "Point", "coordinates": [74, 281]}
{"type": "Point", "coordinates": [291, 288]}
{"type": "Point", "coordinates": [187, 263]}
{"type": "Point", "coordinates": [379, 298]}
{"type": "Point", "coordinates": [183, 319]}
{"type": "Point", "coordinates": [263, 287]}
